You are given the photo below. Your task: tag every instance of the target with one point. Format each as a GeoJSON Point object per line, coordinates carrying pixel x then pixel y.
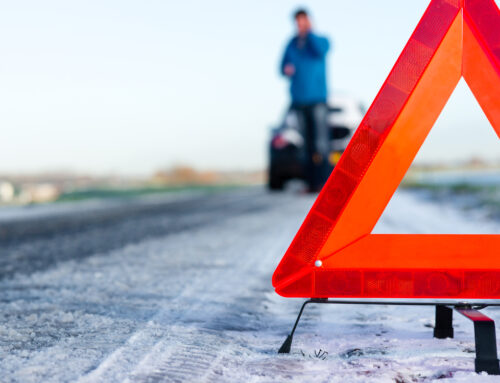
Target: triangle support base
{"type": "Point", "coordinates": [484, 328]}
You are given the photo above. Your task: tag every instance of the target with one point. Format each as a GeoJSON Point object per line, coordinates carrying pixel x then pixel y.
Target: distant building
{"type": "Point", "coordinates": [7, 192]}
{"type": "Point", "coordinates": [38, 193]}
{"type": "Point", "coordinates": [476, 162]}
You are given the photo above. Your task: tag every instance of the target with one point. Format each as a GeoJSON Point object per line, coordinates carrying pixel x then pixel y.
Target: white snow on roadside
{"type": "Point", "coordinates": [199, 306]}
{"type": "Point", "coordinates": [412, 213]}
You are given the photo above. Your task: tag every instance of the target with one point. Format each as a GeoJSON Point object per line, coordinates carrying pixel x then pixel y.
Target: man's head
{"type": "Point", "coordinates": [302, 21]}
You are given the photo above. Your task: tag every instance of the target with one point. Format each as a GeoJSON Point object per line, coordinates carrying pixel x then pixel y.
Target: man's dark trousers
{"type": "Point", "coordinates": [313, 118]}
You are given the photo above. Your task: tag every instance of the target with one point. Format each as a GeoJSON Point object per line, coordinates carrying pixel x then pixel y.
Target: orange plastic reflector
{"type": "Point", "coordinates": [454, 39]}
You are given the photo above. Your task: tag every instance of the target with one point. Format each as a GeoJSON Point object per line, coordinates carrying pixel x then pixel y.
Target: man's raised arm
{"type": "Point", "coordinates": [318, 45]}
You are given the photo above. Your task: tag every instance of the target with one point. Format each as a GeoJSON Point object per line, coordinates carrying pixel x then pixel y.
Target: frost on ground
{"type": "Point", "coordinates": [198, 306]}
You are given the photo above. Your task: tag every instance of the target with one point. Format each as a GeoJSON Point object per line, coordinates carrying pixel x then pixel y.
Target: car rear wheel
{"type": "Point", "coordinates": [275, 182]}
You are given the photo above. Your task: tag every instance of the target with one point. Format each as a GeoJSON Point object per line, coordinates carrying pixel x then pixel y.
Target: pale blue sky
{"type": "Point", "coordinates": [132, 86]}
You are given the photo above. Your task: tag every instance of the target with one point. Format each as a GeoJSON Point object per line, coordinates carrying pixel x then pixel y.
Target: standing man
{"type": "Point", "coordinates": [304, 63]}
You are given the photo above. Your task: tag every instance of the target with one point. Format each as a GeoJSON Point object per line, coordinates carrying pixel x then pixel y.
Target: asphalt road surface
{"type": "Point", "coordinates": [177, 289]}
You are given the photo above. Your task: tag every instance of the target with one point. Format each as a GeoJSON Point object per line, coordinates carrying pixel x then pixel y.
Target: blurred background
{"type": "Point", "coordinates": [105, 97]}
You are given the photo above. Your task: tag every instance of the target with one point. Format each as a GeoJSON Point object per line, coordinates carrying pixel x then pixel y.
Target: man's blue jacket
{"type": "Point", "coordinates": [307, 54]}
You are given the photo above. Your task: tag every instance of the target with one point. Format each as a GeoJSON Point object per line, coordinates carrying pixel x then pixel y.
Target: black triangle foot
{"type": "Point", "coordinates": [443, 333]}
{"type": "Point", "coordinates": [490, 366]}
{"type": "Point", "coordinates": [286, 346]}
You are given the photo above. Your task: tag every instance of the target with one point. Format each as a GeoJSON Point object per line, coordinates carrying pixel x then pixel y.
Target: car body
{"type": "Point", "coordinates": [287, 147]}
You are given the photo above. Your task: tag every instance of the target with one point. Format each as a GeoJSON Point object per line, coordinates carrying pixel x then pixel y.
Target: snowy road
{"type": "Point", "coordinates": [178, 290]}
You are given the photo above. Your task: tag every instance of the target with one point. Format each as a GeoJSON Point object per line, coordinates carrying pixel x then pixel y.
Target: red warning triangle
{"type": "Point", "coordinates": [455, 38]}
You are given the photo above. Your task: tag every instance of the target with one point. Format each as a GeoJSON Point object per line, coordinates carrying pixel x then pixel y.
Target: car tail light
{"type": "Point", "coordinates": [279, 142]}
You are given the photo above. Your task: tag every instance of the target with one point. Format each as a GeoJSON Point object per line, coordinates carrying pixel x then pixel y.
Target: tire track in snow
{"type": "Point", "coordinates": [32, 244]}
{"type": "Point", "coordinates": [190, 352]}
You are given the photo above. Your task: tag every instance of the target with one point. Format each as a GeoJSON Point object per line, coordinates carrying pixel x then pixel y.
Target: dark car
{"type": "Point", "coordinates": [287, 148]}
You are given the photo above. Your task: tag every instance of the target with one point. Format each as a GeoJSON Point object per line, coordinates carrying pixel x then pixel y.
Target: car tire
{"type": "Point", "coordinates": [275, 183]}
